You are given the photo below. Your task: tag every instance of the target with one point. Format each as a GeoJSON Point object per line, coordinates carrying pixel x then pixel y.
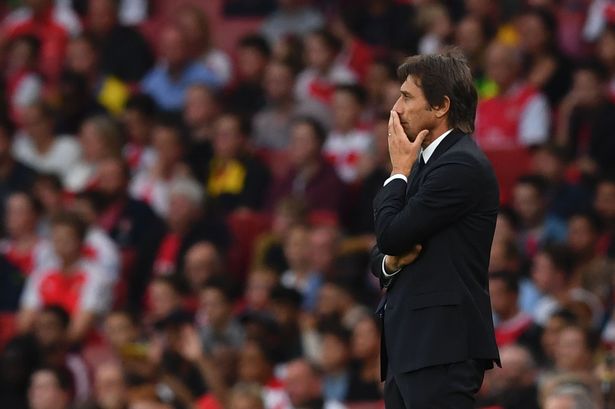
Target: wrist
{"type": "Point", "coordinates": [398, 170]}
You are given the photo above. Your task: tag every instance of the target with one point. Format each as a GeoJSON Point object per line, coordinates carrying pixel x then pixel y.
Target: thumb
{"type": "Point", "coordinates": [421, 136]}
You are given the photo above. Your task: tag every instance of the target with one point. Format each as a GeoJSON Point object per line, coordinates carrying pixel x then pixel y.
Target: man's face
{"type": "Point", "coordinates": [102, 15]}
{"type": "Point", "coordinates": [112, 180]}
{"type": "Point", "coordinates": [20, 217]}
{"type": "Point", "coordinates": [66, 242]}
{"type": "Point", "coordinates": [303, 145]}
{"type": "Point", "coordinates": [45, 393]}
{"type": "Point", "coordinates": [502, 300]}
{"type": "Point", "coordinates": [110, 387]}
{"type": "Point", "coordinates": [300, 384]}
{"type": "Point", "coordinates": [527, 203]}
{"type": "Point", "coordinates": [278, 82]}
{"type": "Point", "coordinates": [413, 109]}
{"type": "Point", "coordinates": [48, 330]}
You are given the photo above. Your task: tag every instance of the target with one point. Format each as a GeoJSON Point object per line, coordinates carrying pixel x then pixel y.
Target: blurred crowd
{"type": "Point", "coordinates": [188, 225]}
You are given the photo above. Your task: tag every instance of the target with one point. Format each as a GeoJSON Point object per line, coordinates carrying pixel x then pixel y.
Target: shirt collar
{"type": "Point", "coordinates": [429, 150]}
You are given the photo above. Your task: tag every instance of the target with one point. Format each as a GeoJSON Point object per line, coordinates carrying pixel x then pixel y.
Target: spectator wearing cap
{"type": "Point", "coordinates": [237, 179]}
{"type": "Point", "coordinates": [50, 388]}
{"type": "Point", "coordinates": [175, 71]}
{"type": "Point", "coordinates": [124, 53]}
{"type": "Point", "coordinates": [311, 178]}
{"type": "Point", "coordinates": [322, 73]}
{"type": "Point", "coordinates": [518, 115]}
{"type": "Point", "coordinates": [74, 283]}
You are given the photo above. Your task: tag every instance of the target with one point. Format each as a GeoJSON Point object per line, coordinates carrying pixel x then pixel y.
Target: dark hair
{"type": "Point", "coordinates": [509, 278]}
{"type": "Point", "coordinates": [558, 152]}
{"type": "Point", "coordinates": [73, 221]}
{"type": "Point", "coordinates": [143, 104]}
{"type": "Point", "coordinates": [595, 67]}
{"type": "Point", "coordinates": [60, 313]}
{"type": "Point", "coordinates": [538, 182]}
{"type": "Point", "coordinates": [50, 179]}
{"type": "Point", "coordinates": [591, 217]}
{"type": "Point", "coordinates": [317, 128]}
{"type": "Point", "coordinates": [172, 121]}
{"type": "Point", "coordinates": [35, 204]}
{"type": "Point", "coordinates": [245, 127]}
{"type": "Point", "coordinates": [330, 39]}
{"type": "Point", "coordinates": [548, 21]}
{"type": "Point", "coordinates": [445, 75]}
{"type": "Point", "coordinates": [286, 296]}
{"type": "Point", "coordinates": [31, 41]}
{"type": "Point", "coordinates": [336, 330]}
{"type": "Point", "coordinates": [355, 90]}
{"type": "Point", "coordinates": [566, 315]}
{"type": "Point", "coordinates": [562, 258]}
{"type": "Point", "coordinates": [221, 284]}
{"type": "Point", "coordinates": [256, 42]}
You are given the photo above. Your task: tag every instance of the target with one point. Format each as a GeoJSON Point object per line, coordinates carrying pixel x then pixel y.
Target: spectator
{"type": "Point", "coordinates": [366, 353]}
{"type": "Point", "coordinates": [187, 224]}
{"type": "Point", "coordinates": [335, 362]}
{"type": "Point", "coordinates": [311, 178]}
{"type": "Point", "coordinates": [50, 388]}
{"type": "Point", "coordinates": [83, 57]}
{"type": "Point", "coordinates": [202, 262]}
{"type": "Point", "coordinates": [201, 111]}
{"type": "Point", "coordinates": [593, 271]}
{"type": "Point", "coordinates": [604, 204]}
{"type": "Point", "coordinates": [435, 22]}
{"type": "Point", "coordinates": [138, 120]}
{"type": "Point", "coordinates": [175, 71]}
{"type": "Point", "coordinates": [216, 307]}
{"type": "Point", "coordinates": [355, 54]}
{"type": "Point", "coordinates": [51, 334]}
{"type": "Point", "coordinates": [14, 175]}
{"type": "Point", "coordinates": [152, 183]}
{"type": "Point", "coordinates": [291, 18]}
{"type": "Point", "coordinates": [76, 285]}
{"type": "Point", "coordinates": [24, 248]}
{"type": "Point", "coordinates": [568, 396]}
{"type": "Point", "coordinates": [586, 115]}
{"type": "Point", "coordinates": [124, 52]}
{"type": "Point", "coordinates": [514, 385]}
{"type": "Point", "coordinates": [337, 302]}
{"type": "Point", "coordinates": [52, 24]}
{"type": "Point", "coordinates": [574, 351]}
{"type": "Point", "coordinates": [37, 146]}
{"type": "Point", "coordinates": [299, 275]}
{"type": "Point", "coordinates": [518, 115]}
{"type": "Point", "coordinates": [247, 96]}
{"type": "Point", "coordinates": [285, 307]}
{"type": "Point", "coordinates": [304, 385]}
{"type": "Point", "coordinates": [272, 125]}
{"type": "Point", "coordinates": [538, 228]}
{"type": "Point", "coordinates": [47, 189]}
{"type": "Point", "coordinates": [24, 84]}
{"type": "Point", "coordinates": [512, 325]}
{"type": "Point", "coordinates": [260, 282]}
{"type": "Point", "coordinates": [236, 179]}
{"type": "Point", "coordinates": [348, 141]}
{"type": "Point", "coordinates": [110, 388]}
{"type": "Point", "coordinates": [19, 359]}
{"type": "Point", "coordinates": [323, 73]}
{"type": "Point", "coordinates": [195, 25]}
{"type": "Point", "coordinates": [246, 396]}
{"type": "Point", "coordinates": [472, 36]}
{"type": "Point", "coordinates": [547, 68]}
{"type": "Point", "coordinates": [99, 139]}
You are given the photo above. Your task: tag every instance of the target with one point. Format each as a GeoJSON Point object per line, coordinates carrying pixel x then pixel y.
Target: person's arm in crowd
{"type": "Point", "coordinates": [30, 303]}
{"type": "Point", "coordinates": [192, 350]}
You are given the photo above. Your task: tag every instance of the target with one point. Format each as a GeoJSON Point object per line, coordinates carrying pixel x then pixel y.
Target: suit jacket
{"type": "Point", "coordinates": [437, 310]}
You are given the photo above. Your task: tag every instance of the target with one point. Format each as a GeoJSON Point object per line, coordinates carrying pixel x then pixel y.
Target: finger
{"type": "Point", "coordinates": [391, 124]}
{"type": "Point", "coordinates": [421, 136]}
{"type": "Point", "coordinates": [399, 130]}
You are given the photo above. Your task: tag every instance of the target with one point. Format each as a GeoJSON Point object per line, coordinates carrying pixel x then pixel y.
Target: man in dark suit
{"type": "Point", "coordinates": [434, 220]}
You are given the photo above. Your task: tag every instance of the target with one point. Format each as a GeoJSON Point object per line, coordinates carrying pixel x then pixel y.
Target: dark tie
{"type": "Point", "coordinates": [421, 164]}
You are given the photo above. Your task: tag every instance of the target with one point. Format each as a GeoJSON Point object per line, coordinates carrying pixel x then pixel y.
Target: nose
{"type": "Point", "coordinates": [396, 106]}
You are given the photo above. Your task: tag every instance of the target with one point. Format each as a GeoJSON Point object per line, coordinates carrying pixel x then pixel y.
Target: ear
{"type": "Point", "coordinates": [442, 110]}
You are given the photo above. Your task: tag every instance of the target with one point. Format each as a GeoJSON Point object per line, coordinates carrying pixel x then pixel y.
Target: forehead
{"type": "Point", "coordinates": [411, 85]}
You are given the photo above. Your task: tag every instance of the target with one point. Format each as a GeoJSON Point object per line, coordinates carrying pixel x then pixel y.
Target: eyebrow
{"type": "Point", "coordinates": [405, 93]}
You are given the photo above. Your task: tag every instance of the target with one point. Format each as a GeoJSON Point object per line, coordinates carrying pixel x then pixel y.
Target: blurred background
{"type": "Point", "coordinates": [186, 197]}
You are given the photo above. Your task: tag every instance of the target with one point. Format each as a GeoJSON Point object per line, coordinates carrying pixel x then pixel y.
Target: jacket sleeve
{"type": "Point", "coordinates": [448, 191]}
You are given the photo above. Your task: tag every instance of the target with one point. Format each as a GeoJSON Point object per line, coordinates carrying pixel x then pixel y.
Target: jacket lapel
{"type": "Point", "coordinates": [416, 178]}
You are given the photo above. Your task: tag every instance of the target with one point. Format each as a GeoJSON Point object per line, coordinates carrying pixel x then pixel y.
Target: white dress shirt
{"type": "Point", "coordinates": [426, 152]}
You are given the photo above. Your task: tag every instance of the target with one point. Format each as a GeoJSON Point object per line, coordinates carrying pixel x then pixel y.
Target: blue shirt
{"type": "Point", "coordinates": [169, 92]}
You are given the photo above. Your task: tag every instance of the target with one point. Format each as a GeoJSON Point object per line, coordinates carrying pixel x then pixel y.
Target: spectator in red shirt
{"type": "Point", "coordinates": [51, 24]}
{"type": "Point", "coordinates": [74, 284]}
